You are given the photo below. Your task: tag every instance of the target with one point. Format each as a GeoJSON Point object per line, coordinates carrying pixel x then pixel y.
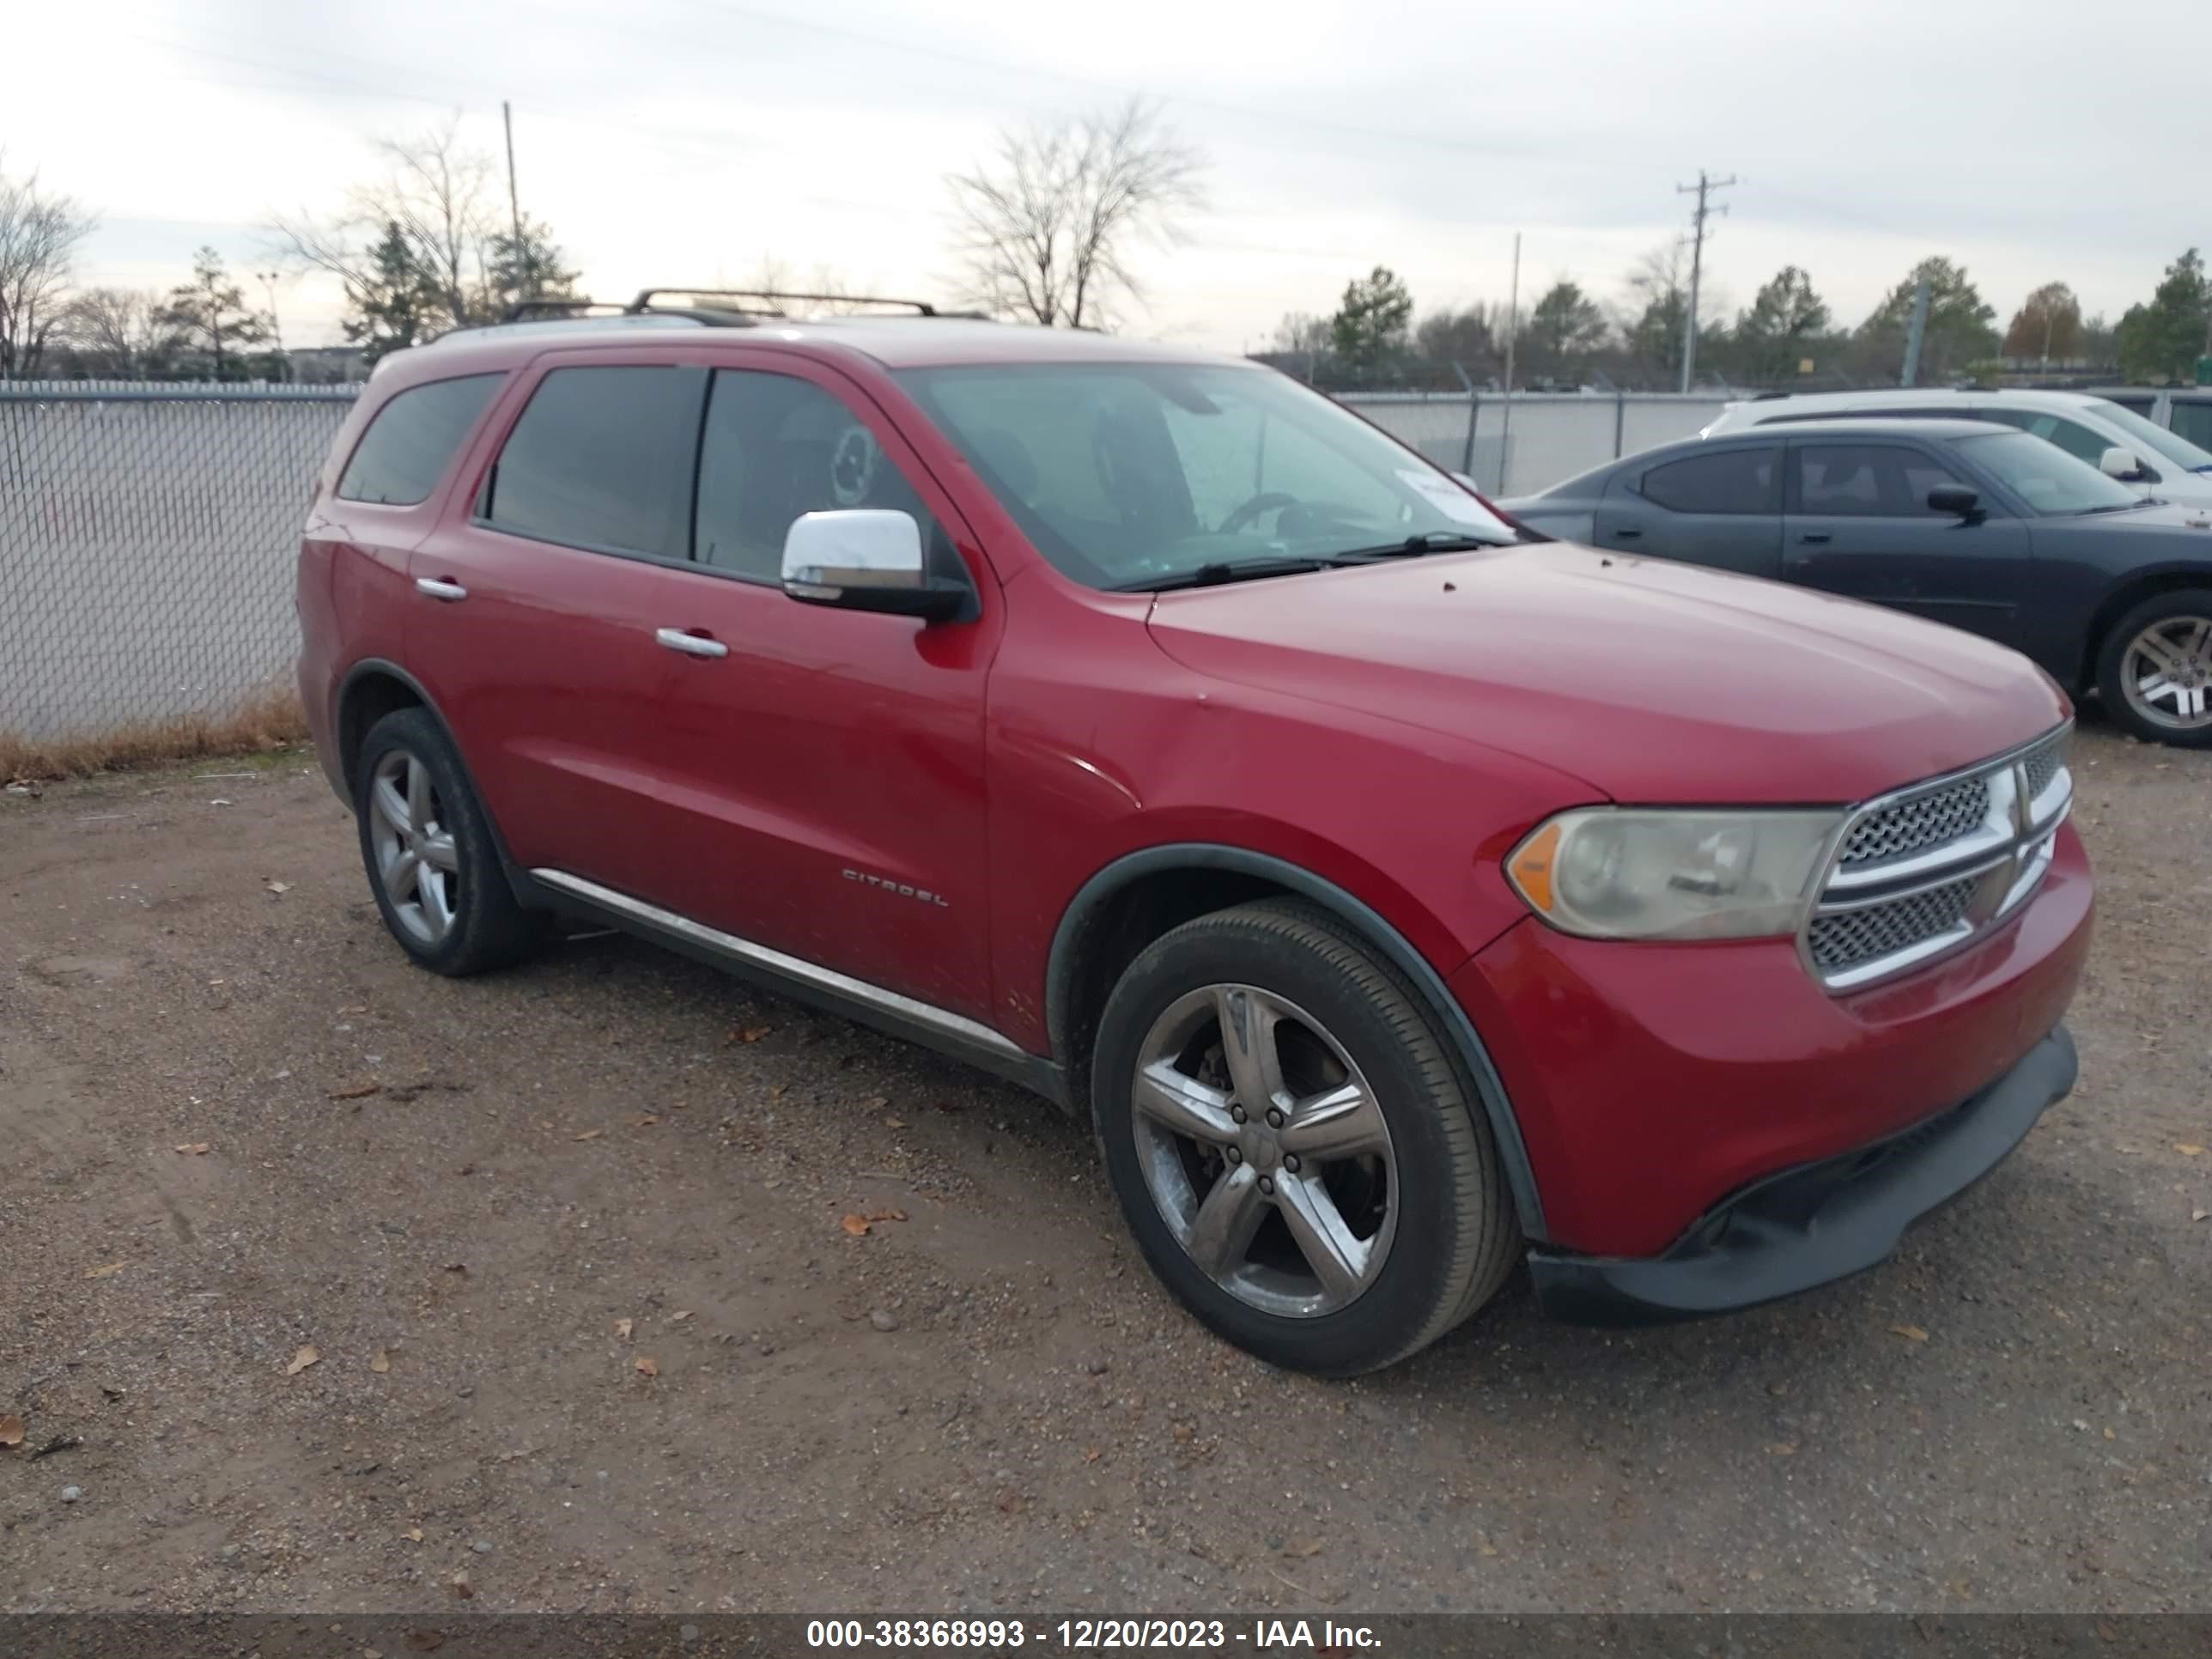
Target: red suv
{"type": "Point", "coordinates": [1396, 894]}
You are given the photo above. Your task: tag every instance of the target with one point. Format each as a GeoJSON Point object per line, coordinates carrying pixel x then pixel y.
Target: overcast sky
{"type": "Point", "coordinates": [674, 141]}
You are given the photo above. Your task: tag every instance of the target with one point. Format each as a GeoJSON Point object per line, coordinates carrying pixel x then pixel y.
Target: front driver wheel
{"type": "Point", "coordinates": [1297, 1156]}
{"type": "Point", "coordinates": [2155, 672]}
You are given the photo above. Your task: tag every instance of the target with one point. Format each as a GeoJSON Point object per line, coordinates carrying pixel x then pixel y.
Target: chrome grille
{"type": "Point", "coordinates": [2043, 765]}
{"type": "Point", "coordinates": [1923, 871]}
{"type": "Point", "coordinates": [1921, 822]}
{"type": "Point", "coordinates": [1849, 937]}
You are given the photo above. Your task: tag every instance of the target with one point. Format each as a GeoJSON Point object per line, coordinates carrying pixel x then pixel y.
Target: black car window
{"type": "Point", "coordinates": [403, 453]}
{"type": "Point", "coordinates": [776, 447]}
{"type": "Point", "coordinates": [1867, 481]}
{"type": "Point", "coordinates": [602, 459]}
{"type": "Point", "coordinates": [1724, 481]}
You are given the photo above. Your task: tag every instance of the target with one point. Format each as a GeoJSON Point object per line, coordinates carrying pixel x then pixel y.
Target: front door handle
{"type": "Point", "coordinates": [1626, 535]}
{"type": "Point", "coordinates": [437, 589]}
{"type": "Point", "coordinates": [1815, 536]}
{"type": "Point", "coordinates": [691, 645]}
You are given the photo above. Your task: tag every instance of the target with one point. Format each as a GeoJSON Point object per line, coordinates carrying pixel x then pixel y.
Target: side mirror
{"type": "Point", "coordinates": [864, 558]}
{"type": "Point", "coordinates": [1955, 499]}
{"type": "Point", "coordinates": [2122, 464]}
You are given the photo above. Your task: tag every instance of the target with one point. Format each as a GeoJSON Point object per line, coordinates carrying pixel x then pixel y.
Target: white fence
{"type": "Point", "coordinates": [147, 531]}
{"type": "Point", "coordinates": [1518, 446]}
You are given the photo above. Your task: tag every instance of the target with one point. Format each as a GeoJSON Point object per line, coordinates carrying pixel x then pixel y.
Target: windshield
{"type": "Point", "coordinates": [2156, 441]}
{"type": "Point", "coordinates": [2044, 476]}
{"type": "Point", "coordinates": [1141, 474]}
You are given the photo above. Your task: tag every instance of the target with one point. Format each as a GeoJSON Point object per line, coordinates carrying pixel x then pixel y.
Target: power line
{"type": "Point", "coordinates": [1704, 188]}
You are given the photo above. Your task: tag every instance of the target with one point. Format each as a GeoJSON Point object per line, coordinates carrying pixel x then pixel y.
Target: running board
{"type": "Point", "coordinates": [808, 981]}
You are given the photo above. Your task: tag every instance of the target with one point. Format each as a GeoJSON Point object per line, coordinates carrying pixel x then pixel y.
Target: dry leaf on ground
{"type": "Point", "coordinates": [895, 1123]}
{"type": "Point", "coordinates": [884, 1215]}
{"type": "Point", "coordinates": [644, 1120]}
{"type": "Point", "coordinates": [751, 1034]}
{"type": "Point", "coordinates": [1782, 1449]}
{"type": "Point", "coordinates": [301, 1361]}
{"type": "Point", "coordinates": [461, 1590]}
{"type": "Point", "coordinates": [195, 1148]}
{"type": "Point", "coordinates": [413, 1535]}
{"type": "Point", "coordinates": [278, 889]}
{"type": "Point", "coordinates": [108, 1271]}
{"type": "Point", "coordinates": [623, 1328]}
{"type": "Point", "coordinates": [381, 1363]}
{"type": "Point", "coordinates": [2188, 1149]}
{"type": "Point", "coordinates": [1301, 1549]}
{"type": "Point", "coordinates": [680, 1314]}
{"type": "Point", "coordinates": [588, 1134]}
{"type": "Point", "coordinates": [1909, 1333]}
{"type": "Point", "coordinates": [855, 1225]}
{"type": "Point", "coordinates": [11, 1431]}
{"type": "Point", "coordinates": [647, 1365]}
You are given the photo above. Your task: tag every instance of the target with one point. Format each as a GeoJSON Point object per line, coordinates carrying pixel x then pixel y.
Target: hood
{"type": "Point", "coordinates": [1651, 680]}
{"type": "Point", "coordinates": [2164, 516]}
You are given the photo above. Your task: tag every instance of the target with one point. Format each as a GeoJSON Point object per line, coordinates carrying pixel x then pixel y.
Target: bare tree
{"type": "Point", "coordinates": [39, 236]}
{"type": "Point", "coordinates": [439, 195]}
{"type": "Point", "coordinates": [1048, 224]}
{"type": "Point", "coordinates": [118, 332]}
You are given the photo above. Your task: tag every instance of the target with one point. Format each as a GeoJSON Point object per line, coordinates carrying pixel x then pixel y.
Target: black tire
{"type": "Point", "coordinates": [1455, 1234]}
{"type": "Point", "coordinates": [484, 926]}
{"type": "Point", "coordinates": [2112, 690]}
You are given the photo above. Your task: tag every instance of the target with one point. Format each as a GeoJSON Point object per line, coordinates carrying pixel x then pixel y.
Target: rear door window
{"type": "Point", "coordinates": [1725, 480]}
{"type": "Point", "coordinates": [601, 459]}
{"type": "Point", "coordinates": [400, 459]}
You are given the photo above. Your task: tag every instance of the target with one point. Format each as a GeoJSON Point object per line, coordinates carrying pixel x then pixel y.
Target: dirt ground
{"type": "Point", "coordinates": [591, 1332]}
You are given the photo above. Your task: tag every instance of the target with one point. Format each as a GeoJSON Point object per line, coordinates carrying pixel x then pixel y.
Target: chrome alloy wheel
{"type": "Point", "coordinates": [416, 862]}
{"type": "Point", "coordinates": [2166, 673]}
{"type": "Point", "coordinates": [1265, 1149]}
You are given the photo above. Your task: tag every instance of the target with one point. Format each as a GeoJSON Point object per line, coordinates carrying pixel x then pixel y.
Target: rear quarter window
{"type": "Point", "coordinates": [400, 459]}
{"type": "Point", "coordinates": [1723, 480]}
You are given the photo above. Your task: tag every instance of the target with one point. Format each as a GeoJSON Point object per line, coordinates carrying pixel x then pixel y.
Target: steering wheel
{"type": "Point", "coordinates": [1270, 501]}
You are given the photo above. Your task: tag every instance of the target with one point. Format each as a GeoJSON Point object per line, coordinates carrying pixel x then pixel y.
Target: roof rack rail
{"type": "Point", "coordinates": [646, 297]}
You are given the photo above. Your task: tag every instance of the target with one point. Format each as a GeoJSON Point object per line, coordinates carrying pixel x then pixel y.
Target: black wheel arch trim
{"type": "Point", "coordinates": [526, 892]}
{"type": "Point", "coordinates": [1466, 1041]}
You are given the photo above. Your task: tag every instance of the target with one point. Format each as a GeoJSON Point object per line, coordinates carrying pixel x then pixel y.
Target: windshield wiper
{"type": "Point", "coordinates": [2116, 506]}
{"type": "Point", "coordinates": [1227, 570]}
{"type": "Point", "coordinates": [1429, 541]}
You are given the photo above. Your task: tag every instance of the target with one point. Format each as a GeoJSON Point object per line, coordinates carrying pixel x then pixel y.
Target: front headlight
{"type": "Point", "coordinates": [1613, 872]}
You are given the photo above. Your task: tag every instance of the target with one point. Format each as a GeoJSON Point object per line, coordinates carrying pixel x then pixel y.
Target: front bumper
{"type": "Point", "coordinates": [1814, 1224]}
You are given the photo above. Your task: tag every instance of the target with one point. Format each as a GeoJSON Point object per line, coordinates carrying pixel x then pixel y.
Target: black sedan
{"type": "Point", "coordinates": [1980, 526]}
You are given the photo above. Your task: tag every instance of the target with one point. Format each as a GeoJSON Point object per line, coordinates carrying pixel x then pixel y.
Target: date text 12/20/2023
{"type": "Point", "coordinates": [1010, 1635]}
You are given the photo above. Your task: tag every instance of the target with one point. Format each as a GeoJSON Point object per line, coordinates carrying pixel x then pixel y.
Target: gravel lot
{"type": "Point", "coordinates": [569, 1246]}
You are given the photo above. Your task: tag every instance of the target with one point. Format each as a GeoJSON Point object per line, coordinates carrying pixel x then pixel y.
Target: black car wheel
{"type": "Point", "coordinates": [2154, 671]}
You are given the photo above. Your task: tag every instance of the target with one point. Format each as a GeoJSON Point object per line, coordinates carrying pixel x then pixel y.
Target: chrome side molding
{"type": "Point", "coordinates": [798, 968]}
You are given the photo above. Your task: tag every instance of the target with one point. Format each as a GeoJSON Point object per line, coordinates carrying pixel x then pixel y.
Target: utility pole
{"type": "Point", "coordinates": [276, 326]}
{"type": "Point", "coordinates": [1703, 189]}
{"type": "Point", "coordinates": [513, 201]}
{"type": "Point", "coordinates": [1915, 332]}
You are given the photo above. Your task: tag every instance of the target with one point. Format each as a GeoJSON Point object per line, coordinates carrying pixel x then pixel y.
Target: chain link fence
{"type": "Point", "coordinates": [146, 540]}
{"type": "Point", "coordinates": [1530, 442]}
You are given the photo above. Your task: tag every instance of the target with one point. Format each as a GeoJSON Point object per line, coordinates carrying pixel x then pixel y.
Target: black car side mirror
{"type": "Point", "coordinates": [1958, 500]}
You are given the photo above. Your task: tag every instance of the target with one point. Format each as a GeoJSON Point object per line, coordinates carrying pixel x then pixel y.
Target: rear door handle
{"type": "Point", "coordinates": [1815, 536]}
{"type": "Point", "coordinates": [1628, 535]}
{"type": "Point", "coordinates": [436, 589]}
{"type": "Point", "coordinates": [691, 645]}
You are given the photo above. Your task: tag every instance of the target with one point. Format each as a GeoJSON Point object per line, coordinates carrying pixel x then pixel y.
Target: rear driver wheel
{"type": "Point", "coordinates": [429, 851]}
{"type": "Point", "coordinates": [1297, 1156]}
